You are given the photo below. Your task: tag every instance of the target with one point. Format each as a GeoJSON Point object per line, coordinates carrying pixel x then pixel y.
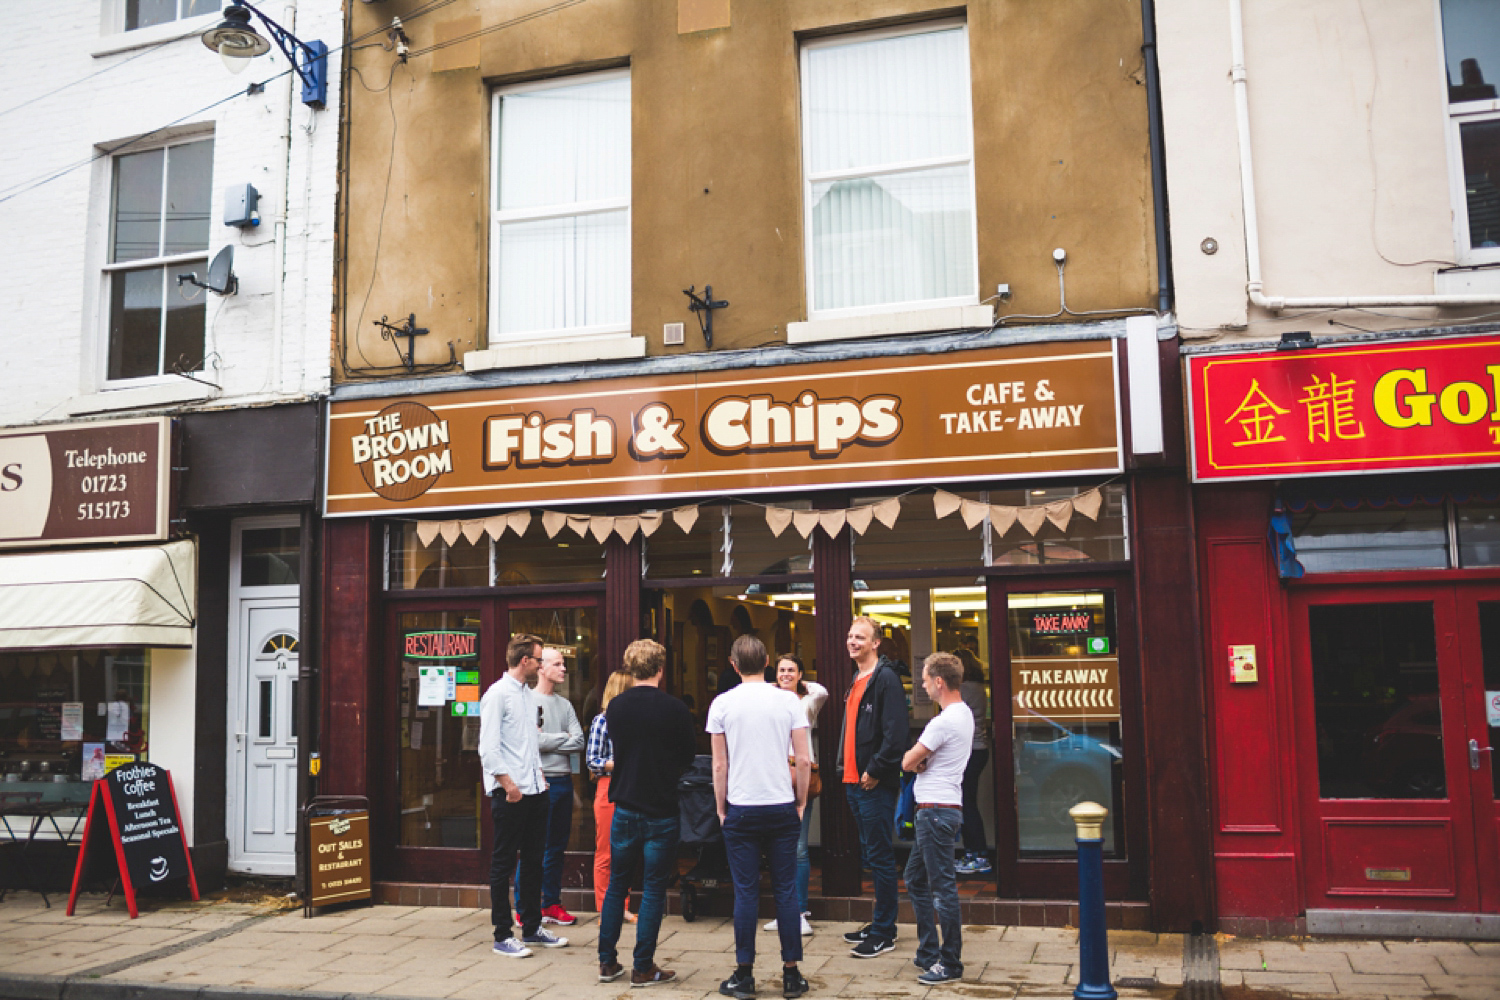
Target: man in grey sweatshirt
{"type": "Point", "coordinates": [559, 741]}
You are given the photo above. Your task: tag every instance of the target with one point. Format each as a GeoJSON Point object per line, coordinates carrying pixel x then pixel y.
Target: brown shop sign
{"type": "Point", "coordinates": [339, 856]}
{"type": "Point", "coordinates": [1002, 413]}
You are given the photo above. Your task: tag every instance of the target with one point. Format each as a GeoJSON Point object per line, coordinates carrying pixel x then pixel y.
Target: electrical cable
{"type": "Point", "coordinates": [147, 50]}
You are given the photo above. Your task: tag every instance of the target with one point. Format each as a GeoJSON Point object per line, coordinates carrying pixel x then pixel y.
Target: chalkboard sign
{"type": "Point", "coordinates": [134, 828]}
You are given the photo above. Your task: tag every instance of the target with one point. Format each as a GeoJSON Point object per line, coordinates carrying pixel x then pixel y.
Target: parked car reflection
{"type": "Point", "coordinates": [1057, 768]}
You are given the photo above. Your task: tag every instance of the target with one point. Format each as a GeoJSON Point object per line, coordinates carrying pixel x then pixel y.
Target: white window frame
{"type": "Point", "coordinates": [544, 212]}
{"type": "Point", "coordinates": [1456, 115]}
{"type": "Point", "coordinates": [107, 270]}
{"type": "Point", "coordinates": [810, 178]}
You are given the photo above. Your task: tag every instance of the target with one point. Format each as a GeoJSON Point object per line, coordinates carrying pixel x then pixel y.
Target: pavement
{"type": "Point", "coordinates": [217, 949]}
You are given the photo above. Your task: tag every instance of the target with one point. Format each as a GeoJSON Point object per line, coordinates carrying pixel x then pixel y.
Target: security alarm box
{"type": "Point", "coordinates": [1242, 665]}
{"type": "Point", "coordinates": [239, 206]}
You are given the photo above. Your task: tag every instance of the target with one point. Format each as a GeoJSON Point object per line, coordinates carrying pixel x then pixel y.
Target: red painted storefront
{"type": "Point", "coordinates": [1345, 504]}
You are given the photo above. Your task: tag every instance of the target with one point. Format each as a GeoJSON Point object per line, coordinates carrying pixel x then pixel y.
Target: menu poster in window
{"type": "Point", "coordinates": [432, 686]}
{"type": "Point", "coordinates": [134, 831]}
{"type": "Point", "coordinates": [117, 722]}
{"type": "Point", "coordinates": [72, 722]}
{"type": "Point", "coordinates": [93, 761]}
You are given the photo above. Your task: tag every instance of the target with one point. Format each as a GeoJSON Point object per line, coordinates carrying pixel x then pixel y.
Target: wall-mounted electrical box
{"type": "Point", "coordinates": [1242, 665]}
{"type": "Point", "coordinates": [239, 206]}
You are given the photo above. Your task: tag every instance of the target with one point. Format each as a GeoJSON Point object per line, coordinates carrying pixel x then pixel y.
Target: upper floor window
{"type": "Point", "coordinates": [146, 13]}
{"type": "Point", "coordinates": [1471, 47]}
{"type": "Point", "coordinates": [159, 215]}
{"type": "Point", "coordinates": [560, 229]}
{"type": "Point", "coordinates": [889, 174]}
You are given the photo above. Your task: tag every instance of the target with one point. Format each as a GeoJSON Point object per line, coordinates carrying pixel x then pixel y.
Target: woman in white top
{"type": "Point", "coordinates": [813, 695]}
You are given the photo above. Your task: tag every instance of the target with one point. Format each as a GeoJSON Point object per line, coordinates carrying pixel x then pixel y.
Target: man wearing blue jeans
{"type": "Point", "coordinates": [939, 758]}
{"type": "Point", "coordinates": [760, 807]}
{"type": "Point", "coordinates": [559, 739]}
{"type": "Point", "coordinates": [654, 741]}
{"type": "Point", "coordinates": [874, 737]}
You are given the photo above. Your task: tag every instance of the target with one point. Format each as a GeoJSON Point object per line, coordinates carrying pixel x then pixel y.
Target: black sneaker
{"type": "Point", "coordinates": [872, 946]}
{"type": "Point", "coordinates": [741, 987]}
{"type": "Point", "coordinates": [855, 937]}
{"type": "Point", "coordinates": [793, 983]}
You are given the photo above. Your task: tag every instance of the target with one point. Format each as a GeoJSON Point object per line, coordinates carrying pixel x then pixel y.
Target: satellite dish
{"type": "Point", "coordinates": [221, 279]}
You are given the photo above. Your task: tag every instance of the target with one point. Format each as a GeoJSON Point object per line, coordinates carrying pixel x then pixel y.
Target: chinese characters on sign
{"type": "Point", "coordinates": [1397, 406]}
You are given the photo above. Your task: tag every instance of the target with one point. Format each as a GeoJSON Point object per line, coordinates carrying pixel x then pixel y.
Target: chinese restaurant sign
{"type": "Point", "coordinates": [1397, 406]}
{"type": "Point", "coordinates": [993, 414]}
{"type": "Point", "coordinates": [90, 482]}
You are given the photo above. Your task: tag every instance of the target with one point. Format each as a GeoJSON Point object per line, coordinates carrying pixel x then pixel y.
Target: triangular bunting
{"type": "Point", "coordinates": [600, 527]}
{"type": "Point", "coordinates": [1031, 518]}
{"type": "Point", "coordinates": [552, 522]}
{"type": "Point", "coordinates": [945, 503]}
{"type": "Point", "coordinates": [804, 521]}
{"type": "Point", "coordinates": [686, 517]}
{"type": "Point", "coordinates": [580, 524]}
{"type": "Point", "coordinates": [973, 513]}
{"type": "Point", "coordinates": [860, 518]}
{"type": "Point", "coordinates": [495, 526]}
{"type": "Point", "coordinates": [427, 531]}
{"type": "Point", "coordinates": [832, 521]}
{"type": "Point", "coordinates": [1059, 512]}
{"type": "Point", "coordinates": [887, 512]}
{"type": "Point", "coordinates": [777, 519]}
{"type": "Point", "coordinates": [1088, 503]}
{"type": "Point", "coordinates": [450, 530]}
{"type": "Point", "coordinates": [1001, 518]}
{"type": "Point", "coordinates": [650, 521]}
{"type": "Point", "coordinates": [627, 526]}
{"type": "Point", "coordinates": [473, 530]}
{"type": "Point", "coordinates": [518, 521]}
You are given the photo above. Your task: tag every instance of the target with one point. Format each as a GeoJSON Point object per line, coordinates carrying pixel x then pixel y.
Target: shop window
{"type": "Point", "coordinates": [727, 540]}
{"type": "Point", "coordinates": [438, 773]}
{"type": "Point", "coordinates": [888, 166]}
{"type": "Point", "coordinates": [1102, 539]}
{"type": "Point", "coordinates": [529, 560]}
{"type": "Point", "coordinates": [1471, 45]}
{"type": "Point", "coordinates": [1065, 722]}
{"type": "Point", "coordinates": [920, 539]}
{"type": "Point", "coordinates": [1391, 537]}
{"type": "Point", "coordinates": [270, 557]}
{"type": "Point", "coordinates": [1479, 534]}
{"type": "Point", "coordinates": [1375, 699]}
{"type": "Point", "coordinates": [66, 716]}
{"type": "Point", "coordinates": [159, 230]}
{"type": "Point", "coordinates": [138, 14]}
{"type": "Point", "coordinates": [560, 236]}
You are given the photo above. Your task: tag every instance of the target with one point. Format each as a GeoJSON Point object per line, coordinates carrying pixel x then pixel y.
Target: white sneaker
{"type": "Point", "coordinates": [770, 926]}
{"type": "Point", "coordinates": [806, 927]}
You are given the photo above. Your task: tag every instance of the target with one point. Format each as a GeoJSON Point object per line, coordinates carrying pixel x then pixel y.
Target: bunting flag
{"type": "Point", "coordinates": [859, 518]}
{"type": "Point", "coordinates": [427, 531]}
{"type": "Point", "coordinates": [518, 521]}
{"type": "Point", "coordinates": [552, 522]}
{"type": "Point", "coordinates": [887, 511]}
{"type": "Point", "coordinates": [627, 526]}
{"type": "Point", "coordinates": [686, 517]}
{"type": "Point", "coordinates": [600, 527]}
{"type": "Point", "coordinates": [580, 524]}
{"type": "Point", "coordinates": [778, 519]}
{"type": "Point", "coordinates": [450, 530]}
{"type": "Point", "coordinates": [495, 526]}
{"type": "Point", "coordinates": [804, 521]}
{"type": "Point", "coordinates": [473, 530]}
{"type": "Point", "coordinates": [1031, 518]}
{"type": "Point", "coordinates": [945, 503]}
{"type": "Point", "coordinates": [650, 521]}
{"type": "Point", "coordinates": [1088, 504]}
{"type": "Point", "coordinates": [973, 513]}
{"type": "Point", "coordinates": [833, 521]}
{"type": "Point", "coordinates": [1059, 512]}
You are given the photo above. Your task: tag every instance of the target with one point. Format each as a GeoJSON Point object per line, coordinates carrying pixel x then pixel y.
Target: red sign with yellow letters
{"type": "Point", "coordinates": [1386, 407]}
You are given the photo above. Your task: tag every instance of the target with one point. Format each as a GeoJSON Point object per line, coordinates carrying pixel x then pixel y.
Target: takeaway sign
{"type": "Point", "coordinates": [996, 414]}
{"type": "Point", "coordinates": [1373, 408]}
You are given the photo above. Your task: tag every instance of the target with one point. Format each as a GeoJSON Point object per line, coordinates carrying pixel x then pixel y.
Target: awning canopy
{"type": "Point", "coordinates": [140, 596]}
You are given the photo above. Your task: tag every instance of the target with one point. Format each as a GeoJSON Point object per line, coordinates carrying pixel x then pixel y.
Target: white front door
{"type": "Point", "coordinates": [267, 738]}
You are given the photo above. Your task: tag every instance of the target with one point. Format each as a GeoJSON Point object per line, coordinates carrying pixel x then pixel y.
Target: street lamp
{"type": "Point", "coordinates": [237, 42]}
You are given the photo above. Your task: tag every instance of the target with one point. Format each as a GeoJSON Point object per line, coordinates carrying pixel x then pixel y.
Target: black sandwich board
{"type": "Point", "coordinates": [134, 828]}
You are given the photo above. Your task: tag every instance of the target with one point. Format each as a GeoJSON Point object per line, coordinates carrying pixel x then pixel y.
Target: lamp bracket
{"type": "Point", "coordinates": [704, 306]}
{"type": "Point", "coordinates": [409, 330]}
{"type": "Point", "coordinates": [308, 59]}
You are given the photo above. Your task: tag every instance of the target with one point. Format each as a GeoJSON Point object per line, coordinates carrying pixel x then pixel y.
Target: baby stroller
{"type": "Point", "coordinates": [698, 813]}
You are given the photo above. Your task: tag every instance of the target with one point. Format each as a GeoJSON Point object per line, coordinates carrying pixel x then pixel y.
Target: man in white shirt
{"type": "Point", "coordinates": [513, 779]}
{"type": "Point", "coordinates": [939, 758]}
{"type": "Point", "coordinates": [560, 740]}
{"type": "Point", "coordinates": [760, 804]}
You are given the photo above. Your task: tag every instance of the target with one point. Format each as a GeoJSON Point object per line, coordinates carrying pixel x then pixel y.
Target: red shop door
{"type": "Point", "coordinates": [1397, 783]}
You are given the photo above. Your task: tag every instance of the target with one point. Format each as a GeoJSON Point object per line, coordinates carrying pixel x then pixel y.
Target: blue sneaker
{"type": "Point", "coordinates": [511, 948]}
{"type": "Point", "coordinates": [940, 973]}
{"type": "Point", "coordinates": [544, 938]}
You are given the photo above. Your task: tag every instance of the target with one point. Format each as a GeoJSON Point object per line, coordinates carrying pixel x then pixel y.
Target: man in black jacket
{"type": "Point", "coordinates": [875, 732]}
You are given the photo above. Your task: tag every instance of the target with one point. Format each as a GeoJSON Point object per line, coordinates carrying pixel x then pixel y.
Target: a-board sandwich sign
{"type": "Point", "coordinates": [338, 852]}
{"type": "Point", "coordinates": [134, 827]}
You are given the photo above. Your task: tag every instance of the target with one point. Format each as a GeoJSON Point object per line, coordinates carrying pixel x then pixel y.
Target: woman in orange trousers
{"type": "Point", "coordinates": [601, 761]}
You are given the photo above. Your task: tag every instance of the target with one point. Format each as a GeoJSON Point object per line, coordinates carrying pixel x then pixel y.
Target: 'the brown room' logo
{"type": "Point", "coordinates": [403, 451]}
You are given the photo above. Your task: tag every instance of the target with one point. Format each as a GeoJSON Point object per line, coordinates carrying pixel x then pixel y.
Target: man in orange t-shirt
{"type": "Point", "coordinates": [874, 738]}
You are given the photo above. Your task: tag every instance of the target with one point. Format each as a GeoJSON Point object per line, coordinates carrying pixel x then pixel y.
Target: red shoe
{"type": "Point", "coordinates": [555, 914]}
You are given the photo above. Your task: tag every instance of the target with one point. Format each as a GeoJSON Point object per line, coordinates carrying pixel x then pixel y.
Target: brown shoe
{"type": "Point", "coordinates": [610, 971]}
{"type": "Point", "coordinates": [652, 976]}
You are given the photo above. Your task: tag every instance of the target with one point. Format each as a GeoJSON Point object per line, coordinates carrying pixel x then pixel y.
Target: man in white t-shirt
{"type": "Point", "coordinates": [760, 804]}
{"type": "Point", "coordinates": [939, 758]}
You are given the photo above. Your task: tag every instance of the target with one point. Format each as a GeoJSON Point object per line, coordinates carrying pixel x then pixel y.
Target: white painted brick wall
{"type": "Point", "coordinates": [53, 291]}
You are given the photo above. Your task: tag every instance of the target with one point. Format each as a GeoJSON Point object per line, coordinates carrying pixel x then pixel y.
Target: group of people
{"type": "Point", "coordinates": [764, 779]}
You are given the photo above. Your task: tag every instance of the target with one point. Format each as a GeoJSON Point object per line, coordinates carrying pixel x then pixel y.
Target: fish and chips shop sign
{"type": "Point", "coordinates": [991, 414]}
{"type": "Point", "coordinates": [1396, 406]}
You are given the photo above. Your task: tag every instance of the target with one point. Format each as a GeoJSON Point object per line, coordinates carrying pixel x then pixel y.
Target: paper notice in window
{"type": "Point", "coordinates": [452, 681]}
{"type": "Point", "coordinates": [117, 721]}
{"type": "Point", "coordinates": [432, 686]}
{"type": "Point", "coordinates": [416, 735]}
{"type": "Point", "coordinates": [93, 761]}
{"type": "Point", "coordinates": [1492, 709]}
{"type": "Point", "coordinates": [72, 721]}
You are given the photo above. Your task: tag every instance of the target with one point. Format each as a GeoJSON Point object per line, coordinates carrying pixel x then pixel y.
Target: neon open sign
{"type": "Point", "coordinates": [1061, 622]}
{"type": "Point", "coordinates": [443, 645]}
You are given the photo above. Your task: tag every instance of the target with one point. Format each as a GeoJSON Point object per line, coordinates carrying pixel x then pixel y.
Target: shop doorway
{"type": "Point", "coordinates": [433, 816]}
{"type": "Point", "coordinates": [263, 691]}
{"type": "Point", "coordinates": [1397, 688]}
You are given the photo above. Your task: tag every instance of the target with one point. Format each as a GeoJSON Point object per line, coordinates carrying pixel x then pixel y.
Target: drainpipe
{"type": "Point", "coordinates": [1254, 286]}
{"type": "Point", "coordinates": [1158, 158]}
